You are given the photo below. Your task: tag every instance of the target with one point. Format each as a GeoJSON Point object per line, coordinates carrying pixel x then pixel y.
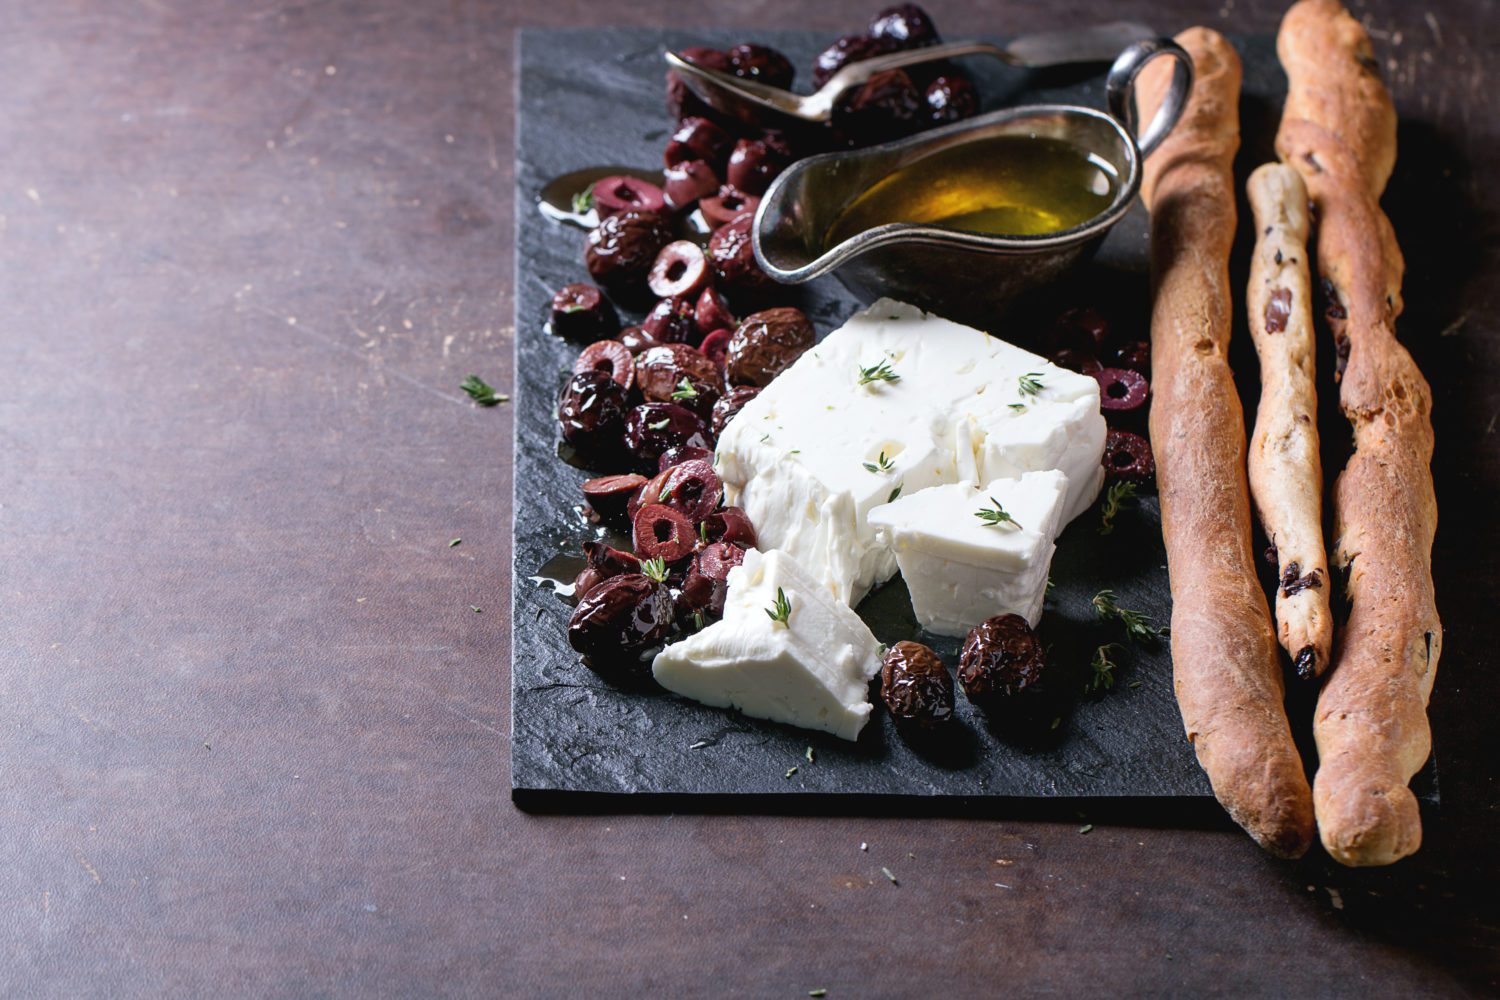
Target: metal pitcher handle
{"type": "Point", "coordinates": [1120, 89]}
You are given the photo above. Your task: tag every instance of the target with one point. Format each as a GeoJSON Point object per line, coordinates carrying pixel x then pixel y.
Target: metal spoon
{"type": "Point", "coordinates": [729, 94]}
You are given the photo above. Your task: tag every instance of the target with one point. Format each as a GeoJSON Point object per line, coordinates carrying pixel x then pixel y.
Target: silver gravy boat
{"type": "Point", "coordinates": [967, 276]}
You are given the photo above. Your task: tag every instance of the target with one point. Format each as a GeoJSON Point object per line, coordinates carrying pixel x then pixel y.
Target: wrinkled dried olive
{"type": "Point", "coordinates": [677, 373]}
{"type": "Point", "coordinates": [886, 106]}
{"type": "Point", "coordinates": [915, 686]}
{"type": "Point", "coordinates": [950, 98]}
{"type": "Point", "coordinates": [619, 619]}
{"type": "Point", "coordinates": [905, 25]}
{"type": "Point", "coordinates": [847, 49]}
{"type": "Point", "coordinates": [766, 344]}
{"type": "Point", "coordinates": [653, 428]}
{"type": "Point", "coordinates": [733, 402]}
{"type": "Point", "coordinates": [1001, 657]}
{"type": "Point", "coordinates": [620, 250]}
{"type": "Point", "coordinates": [733, 255]}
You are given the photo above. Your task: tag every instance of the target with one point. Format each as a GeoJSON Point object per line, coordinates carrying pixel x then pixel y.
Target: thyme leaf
{"type": "Point", "coordinates": [781, 611]}
{"type": "Point", "coordinates": [481, 391]}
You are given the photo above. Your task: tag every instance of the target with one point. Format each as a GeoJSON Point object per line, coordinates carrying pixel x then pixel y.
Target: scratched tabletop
{"type": "Point", "coordinates": [254, 710]}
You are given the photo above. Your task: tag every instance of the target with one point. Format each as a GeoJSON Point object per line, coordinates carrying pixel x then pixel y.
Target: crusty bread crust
{"type": "Point", "coordinates": [1339, 131]}
{"type": "Point", "coordinates": [1225, 664]}
{"type": "Point", "coordinates": [1286, 475]}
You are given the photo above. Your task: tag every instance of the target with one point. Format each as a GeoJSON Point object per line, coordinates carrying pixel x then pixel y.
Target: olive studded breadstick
{"type": "Point", "coordinates": [1339, 131]}
{"type": "Point", "coordinates": [1225, 664]}
{"type": "Point", "coordinates": [1286, 476]}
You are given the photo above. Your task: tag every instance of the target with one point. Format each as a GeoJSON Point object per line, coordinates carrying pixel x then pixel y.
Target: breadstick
{"type": "Point", "coordinates": [1286, 475]}
{"type": "Point", "coordinates": [1225, 663]}
{"type": "Point", "coordinates": [1339, 131]}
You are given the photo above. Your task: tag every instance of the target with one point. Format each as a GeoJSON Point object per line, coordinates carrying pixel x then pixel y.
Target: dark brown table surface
{"type": "Point", "coordinates": [254, 736]}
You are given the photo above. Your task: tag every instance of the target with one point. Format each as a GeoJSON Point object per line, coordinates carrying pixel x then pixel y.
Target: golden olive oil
{"type": "Point", "coordinates": [1008, 185]}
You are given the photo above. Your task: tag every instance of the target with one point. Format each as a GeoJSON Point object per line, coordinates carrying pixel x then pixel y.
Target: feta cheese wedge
{"type": "Point", "coordinates": [891, 403]}
{"type": "Point", "coordinates": [963, 565]}
{"type": "Point", "coordinates": [811, 670]}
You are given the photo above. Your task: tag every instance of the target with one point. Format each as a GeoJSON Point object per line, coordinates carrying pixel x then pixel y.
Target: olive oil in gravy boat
{"type": "Point", "coordinates": [967, 276]}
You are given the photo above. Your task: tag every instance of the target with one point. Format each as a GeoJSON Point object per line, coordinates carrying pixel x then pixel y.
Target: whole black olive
{"type": "Point", "coordinates": [1002, 657]}
{"type": "Point", "coordinates": [682, 102]}
{"type": "Point", "coordinates": [915, 686]}
{"type": "Point", "coordinates": [733, 256]}
{"type": "Point", "coordinates": [581, 312]}
{"type": "Point", "coordinates": [698, 139]}
{"type": "Point", "coordinates": [845, 50]}
{"type": "Point", "coordinates": [620, 250]}
{"type": "Point", "coordinates": [677, 373]}
{"type": "Point", "coordinates": [887, 106]}
{"type": "Point", "coordinates": [762, 64]}
{"type": "Point", "coordinates": [688, 181]}
{"type": "Point", "coordinates": [905, 26]}
{"type": "Point", "coordinates": [766, 344]}
{"type": "Point", "coordinates": [653, 428]}
{"type": "Point", "coordinates": [753, 164]}
{"type": "Point", "coordinates": [618, 620]}
{"type": "Point", "coordinates": [731, 404]}
{"type": "Point", "coordinates": [951, 97]}
{"type": "Point", "coordinates": [592, 413]}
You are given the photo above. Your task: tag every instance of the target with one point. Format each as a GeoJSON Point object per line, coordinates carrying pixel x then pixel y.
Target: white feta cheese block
{"type": "Point", "coordinates": [812, 671]}
{"type": "Point", "coordinates": [829, 440]}
{"type": "Point", "coordinates": [959, 568]}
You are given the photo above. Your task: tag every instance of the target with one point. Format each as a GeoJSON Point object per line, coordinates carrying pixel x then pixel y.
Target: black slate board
{"type": "Point", "coordinates": [595, 96]}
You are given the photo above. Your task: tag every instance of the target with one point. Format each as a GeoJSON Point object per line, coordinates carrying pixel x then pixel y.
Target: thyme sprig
{"type": "Point", "coordinates": [1138, 625]}
{"type": "Point", "coordinates": [481, 391]}
{"type": "Point", "coordinates": [881, 464]}
{"type": "Point", "coordinates": [882, 372]}
{"type": "Point", "coordinates": [1117, 495]}
{"type": "Point", "coordinates": [781, 611]}
{"type": "Point", "coordinates": [656, 569]}
{"type": "Point", "coordinates": [1030, 383]}
{"type": "Point", "coordinates": [995, 516]}
{"type": "Point", "coordinates": [1104, 668]}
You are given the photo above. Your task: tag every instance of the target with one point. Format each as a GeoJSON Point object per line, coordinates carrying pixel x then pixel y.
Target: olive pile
{"type": "Point", "coordinates": [684, 544]}
{"type": "Point", "coordinates": [1083, 341]}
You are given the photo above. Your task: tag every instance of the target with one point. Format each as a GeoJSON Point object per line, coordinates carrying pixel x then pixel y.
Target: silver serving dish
{"type": "Point", "coordinates": [966, 276]}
